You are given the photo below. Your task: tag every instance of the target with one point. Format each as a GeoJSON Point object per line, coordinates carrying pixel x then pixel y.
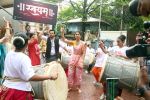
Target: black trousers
{"type": "Point", "coordinates": [90, 67]}
{"type": "Point", "coordinates": [52, 58]}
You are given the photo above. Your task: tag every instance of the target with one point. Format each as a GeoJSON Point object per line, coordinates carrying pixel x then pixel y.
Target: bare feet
{"type": "Point", "coordinates": [69, 89]}
{"type": "Point", "coordinates": [75, 89]}
{"type": "Point", "coordinates": [79, 90]}
{"type": "Point", "coordinates": [102, 97]}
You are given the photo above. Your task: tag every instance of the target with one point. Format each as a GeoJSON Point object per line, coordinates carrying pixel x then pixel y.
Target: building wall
{"type": "Point", "coordinates": [92, 26]}
{"type": "Point", "coordinates": [112, 35]}
{"type": "Point", "coordinates": [109, 38]}
{"type": "Point", "coordinates": [74, 27]}
{"type": "Point", "coordinates": [15, 24]}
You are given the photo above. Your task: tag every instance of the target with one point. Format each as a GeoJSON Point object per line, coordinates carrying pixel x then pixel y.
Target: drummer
{"type": "Point", "coordinates": [18, 72]}
{"type": "Point", "coordinates": [89, 51]}
{"type": "Point", "coordinates": [118, 50]}
{"type": "Point", "coordinates": [100, 56]}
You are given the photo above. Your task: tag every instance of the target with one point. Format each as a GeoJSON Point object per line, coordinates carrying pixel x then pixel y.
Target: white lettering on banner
{"type": "Point", "coordinates": [51, 13]}
{"type": "Point", "coordinates": [35, 10]}
{"type": "Point", "coordinates": [28, 7]}
{"type": "Point", "coordinates": [21, 6]}
{"type": "Point", "coordinates": [45, 11]}
{"type": "Point", "coordinates": [39, 9]}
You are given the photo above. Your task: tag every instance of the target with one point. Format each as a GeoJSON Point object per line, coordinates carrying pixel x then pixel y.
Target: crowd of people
{"type": "Point", "coordinates": [18, 69]}
{"type": "Point", "coordinates": [26, 51]}
{"type": "Point", "coordinates": [19, 52]}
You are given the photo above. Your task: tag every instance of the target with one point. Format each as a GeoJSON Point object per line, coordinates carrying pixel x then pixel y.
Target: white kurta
{"type": "Point", "coordinates": [18, 65]}
{"type": "Point", "coordinates": [100, 58]}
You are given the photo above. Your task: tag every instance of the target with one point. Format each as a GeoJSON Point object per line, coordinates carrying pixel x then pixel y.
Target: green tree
{"type": "Point", "coordinates": [84, 8]}
{"type": "Point", "coordinates": [64, 15]}
{"type": "Point", "coordinates": [113, 13]}
{"type": "Point", "coordinates": [117, 12]}
{"type": "Point", "coordinates": [53, 1]}
{"type": "Point", "coordinates": [67, 14]}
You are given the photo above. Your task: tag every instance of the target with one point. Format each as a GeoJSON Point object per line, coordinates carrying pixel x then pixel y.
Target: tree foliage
{"type": "Point", "coordinates": [84, 8]}
{"type": "Point", "coordinates": [53, 1]}
{"type": "Point", "coordinates": [118, 11]}
{"type": "Point", "coordinates": [67, 14]}
{"type": "Point", "coordinates": [113, 13]}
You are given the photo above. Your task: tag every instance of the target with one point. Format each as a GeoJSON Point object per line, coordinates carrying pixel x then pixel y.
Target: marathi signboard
{"type": "Point", "coordinates": [27, 10]}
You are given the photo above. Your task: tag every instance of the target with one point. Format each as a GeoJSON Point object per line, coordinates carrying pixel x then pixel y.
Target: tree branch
{"type": "Point", "coordinates": [93, 9]}
{"type": "Point", "coordinates": [75, 8]}
{"type": "Point", "coordinates": [76, 5]}
{"type": "Point", "coordinates": [90, 5]}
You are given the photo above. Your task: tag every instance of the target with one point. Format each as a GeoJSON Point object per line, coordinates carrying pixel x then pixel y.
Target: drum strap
{"type": "Point", "coordinates": [16, 80]}
{"type": "Point", "coordinates": [12, 79]}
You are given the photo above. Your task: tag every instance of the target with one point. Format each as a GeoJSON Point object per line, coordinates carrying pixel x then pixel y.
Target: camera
{"type": "Point", "coordinates": [140, 7]}
{"type": "Point", "coordinates": [142, 49]}
{"type": "Point", "coordinates": [147, 25]}
{"type": "Point", "coordinates": [138, 50]}
{"type": "Point", "coordinates": [143, 37]}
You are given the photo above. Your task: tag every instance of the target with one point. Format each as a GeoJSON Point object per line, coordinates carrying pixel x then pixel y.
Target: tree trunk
{"type": "Point", "coordinates": [84, 19]}
{"type": "Point", "coordinates": [83, 30]}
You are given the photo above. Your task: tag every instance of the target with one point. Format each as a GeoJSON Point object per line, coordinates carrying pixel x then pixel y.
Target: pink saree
{"type": "Point", "coordinates": [75, 66]}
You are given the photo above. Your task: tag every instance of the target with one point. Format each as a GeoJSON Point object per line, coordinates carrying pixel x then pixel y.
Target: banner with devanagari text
{"type": "Point", "coordinates": [32, 11]}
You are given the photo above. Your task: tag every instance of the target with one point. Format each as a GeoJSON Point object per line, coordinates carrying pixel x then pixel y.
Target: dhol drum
{"type": "Point", "coordinates": [126, 70]}
{"type": "Point", "coordinates": [65, 58]}
{"type": "Point", "coordinates": [50, 89]}
{"type": "Point", "coordinates": [89, 59]}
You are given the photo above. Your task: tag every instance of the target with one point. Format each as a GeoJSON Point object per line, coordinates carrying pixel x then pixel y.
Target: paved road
{"type": "Point", "coordinates": [90, 92]}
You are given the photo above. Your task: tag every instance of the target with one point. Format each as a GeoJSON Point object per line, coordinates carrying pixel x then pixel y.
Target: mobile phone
{"type": "Point", "coordinates": [112, 88]}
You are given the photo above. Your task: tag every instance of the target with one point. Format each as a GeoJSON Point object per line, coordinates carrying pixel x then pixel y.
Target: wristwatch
{"type": "Point", "coordinates": [143, 89]}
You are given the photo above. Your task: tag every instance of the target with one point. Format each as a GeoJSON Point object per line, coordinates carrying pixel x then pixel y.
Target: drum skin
{"type": "Point", "coordinates": [89, 59]}
{"type": "Point", "coordinates": [126, 70]}
{"type": "Point", "coordinates": [65, 58]}
{"type": "Point", "coordinates": [51, 89]}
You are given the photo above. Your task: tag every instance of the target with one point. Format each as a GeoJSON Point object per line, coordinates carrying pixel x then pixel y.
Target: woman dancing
{"type": "Point", "coordinates": [75, 66]}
